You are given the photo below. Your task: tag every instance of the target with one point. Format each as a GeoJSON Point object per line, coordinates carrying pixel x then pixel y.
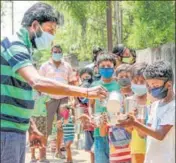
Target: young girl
{"type": "Point", "coordinates": [67, 124]}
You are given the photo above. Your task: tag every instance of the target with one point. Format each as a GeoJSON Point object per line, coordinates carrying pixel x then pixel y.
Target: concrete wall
{"type": "Point", "coordinates": [164, 52]}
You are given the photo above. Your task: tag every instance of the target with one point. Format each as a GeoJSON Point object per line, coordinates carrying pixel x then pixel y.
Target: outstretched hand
{"type": "Point", "coordinates": [129, 122]}
{"type": "Point", "coordinates": [36, 139]}
{"type": "Point", "coordinates": [97, 92]}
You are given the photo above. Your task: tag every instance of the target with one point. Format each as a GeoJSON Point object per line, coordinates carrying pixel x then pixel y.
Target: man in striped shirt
{"type": "Point", "coordinates": [19, 76]}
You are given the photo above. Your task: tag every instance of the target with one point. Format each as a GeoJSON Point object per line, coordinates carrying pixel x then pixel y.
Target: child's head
{"type": "Point", "coordinates": [123, 77]}
{"type": "Point", "coordinates": [106, 65]}
{"type": "Point", "coordinates": [138, 83]}
{"type": "Point", "coordinates": [159, 78]}
{"type": "Point", "coordinates": [64, 111]}
{"type": "Point", "coordinates": [86, 74]}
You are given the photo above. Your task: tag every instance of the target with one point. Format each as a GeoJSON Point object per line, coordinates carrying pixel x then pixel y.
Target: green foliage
{"type": "Point", "coordinates": [145, 24]}
{"type": "Point", "coordinates": [148, 23]}
{"type": "Point", "coordinates": [85, 26]}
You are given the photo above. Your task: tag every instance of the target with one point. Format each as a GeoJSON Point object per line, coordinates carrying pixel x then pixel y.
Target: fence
{"type": "Point", "coordinates": [164, 52]}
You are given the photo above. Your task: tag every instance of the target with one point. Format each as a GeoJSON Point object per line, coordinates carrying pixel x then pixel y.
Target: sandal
{"type": "Point", "coordinates": [59, 155]}
{"type": "Point", "coordinates": [43, 161]}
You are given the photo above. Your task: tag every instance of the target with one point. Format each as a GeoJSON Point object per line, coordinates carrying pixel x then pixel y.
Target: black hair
{"type": "Point", "coordinates": [123, 67]}
{"type": "Point", "coordinates": [118, 49]}
{"type": "Point", "coordinates": [86, 70]}
{"type": "Point", "coordinates": [57, 46]}
{"type": "Point", "coordinates": [41, 12]}
{"type": "Point", "coordinates": [138, 69]}
{"type": "Point", "coordinates": [106, 57]}
{"type": "Point", "coordinates": [96, 51]}
{"type": "Point", "coordinates": [159, 70]}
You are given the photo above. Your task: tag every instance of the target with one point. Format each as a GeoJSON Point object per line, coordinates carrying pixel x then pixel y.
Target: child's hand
{"type": "Point", "coordinates": [84, 117]}
{"type": "Point", "coordinates": [129, 122]}
{"type": "Point", "coordinates": [59, 124]}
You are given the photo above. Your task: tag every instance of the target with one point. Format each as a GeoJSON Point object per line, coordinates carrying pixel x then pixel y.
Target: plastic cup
{"type": "Point", "coordinates": [114, 102]}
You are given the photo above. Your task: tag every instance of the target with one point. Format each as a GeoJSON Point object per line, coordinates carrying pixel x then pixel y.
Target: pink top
{"type": "Point", "coordinates": [63, 73]}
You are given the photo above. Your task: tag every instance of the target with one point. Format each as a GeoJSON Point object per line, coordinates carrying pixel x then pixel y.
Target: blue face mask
{"type": "Point", "coordinates": [106, 72]}
{"type": "Point", "coordinates": [44, 41]}
{"type": "Point", "coordinates": [139, 90]}
{"type": "Point", "coordinates": [159, 93]}
{"type": "Point", "coordinates": [57, 56]}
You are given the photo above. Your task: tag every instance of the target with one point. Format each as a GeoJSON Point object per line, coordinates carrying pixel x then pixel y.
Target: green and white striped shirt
{"type": "Point", "coordinates": [16, 94]}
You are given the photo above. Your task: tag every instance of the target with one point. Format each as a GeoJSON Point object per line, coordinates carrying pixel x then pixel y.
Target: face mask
{"type": "Point", "coordinates": [160, 92]}
{"type": "Point", "coordinates": [123, 82]}
{"type": "Point", "coordinates": [65, 114]}
{"type": "Point", "coordinates": [128, 60]}
{"type": "Point", "coordinates": [139, 90]}
{"type": "Point", "coordinates": [57, 56]}
{"type": "Point", "coordinates": [106, 72]}
{"type": "Point", "coordinates": [44, 41]}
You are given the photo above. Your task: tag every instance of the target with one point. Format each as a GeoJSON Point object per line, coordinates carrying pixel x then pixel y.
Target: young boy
{"type": "Point", "coordinates": [67, 124]}
{"type": "Point", "coordinates": [40, 119]}
{"type": "Point", "coordinates": [121, 154]}
{"type": "Point", "coordinates": [106, 65]}
{"type": "Point", "coordinates": [138, 104]}
{"type": "Point", "coordinates": [123, 77]}
{"type": "Point", "coordinates": [160, 131]}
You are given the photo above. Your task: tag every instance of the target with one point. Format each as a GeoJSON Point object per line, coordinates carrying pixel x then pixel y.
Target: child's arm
{"type": "Point", "coordinates": [158, 134]}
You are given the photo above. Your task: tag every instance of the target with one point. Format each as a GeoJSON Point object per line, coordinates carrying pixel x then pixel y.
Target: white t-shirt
{"type": "Point", "coordinates": [161, 151]}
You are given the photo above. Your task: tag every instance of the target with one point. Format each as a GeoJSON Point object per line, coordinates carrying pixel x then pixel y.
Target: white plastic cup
{"type": "Point", "coordinates": [114, 102]}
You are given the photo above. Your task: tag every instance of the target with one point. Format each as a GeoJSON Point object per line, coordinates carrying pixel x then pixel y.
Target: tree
{"type": "Point", "coordinates": [85, 26]}
{"type": "Point", "coordinates": [148, 23]}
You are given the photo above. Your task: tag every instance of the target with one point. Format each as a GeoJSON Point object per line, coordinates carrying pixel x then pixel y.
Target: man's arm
{"type": "Point", "coordinates": [42, 84]}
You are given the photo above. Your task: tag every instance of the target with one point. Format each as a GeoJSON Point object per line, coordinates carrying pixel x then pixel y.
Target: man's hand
{"type": "Point", "coordinates": [36, 139]}
{"type": "Point", "coordinates": [97, 92]}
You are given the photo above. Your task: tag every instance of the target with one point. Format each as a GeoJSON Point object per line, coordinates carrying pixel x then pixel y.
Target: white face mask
{"type": "Point", "coordinates": [44, 41]}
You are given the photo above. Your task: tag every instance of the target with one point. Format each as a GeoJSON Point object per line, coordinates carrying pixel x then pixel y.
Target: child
{"type": "Point", "coordinates": [40, 119]}
{"type": "Point", "coordinates": [121, 154]}
{"type": "Point", "coordinates": [67, 124]}
{"type": "Point", "coordinates": [123, 77]}
{"type": "Point", "coordinates": [138, 103]}
{"type": "Point", "coordinates": [106, 65]}
{"type": "Point", "coordinates": [160, 131]}
{"type": "Point", "coordinates": [86, 76]}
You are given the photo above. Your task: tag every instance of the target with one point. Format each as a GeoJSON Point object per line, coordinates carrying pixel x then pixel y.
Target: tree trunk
{"type": "Point", "coordinates": [109, 25]}
{"type": "Point", "coordinates": [118, 22]}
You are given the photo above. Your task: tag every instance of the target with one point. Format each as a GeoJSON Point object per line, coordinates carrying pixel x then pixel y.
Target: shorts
{"type": "Point", "coordinates": [13, 146]}
{"type": "Point", "coordinates": [89, 140]}
{"type": "Point", "coordinates": [101, 149]}
{"type": "Point", "coordinates": [41, 123]}
{"type": "Point", "coordinates": [68, 139]}
{"type": "Point", "coordinates": [52, 109]}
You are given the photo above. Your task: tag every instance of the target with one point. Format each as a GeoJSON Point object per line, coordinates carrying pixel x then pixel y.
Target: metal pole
{"type": "Point", "coordinates": [109, 25]}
